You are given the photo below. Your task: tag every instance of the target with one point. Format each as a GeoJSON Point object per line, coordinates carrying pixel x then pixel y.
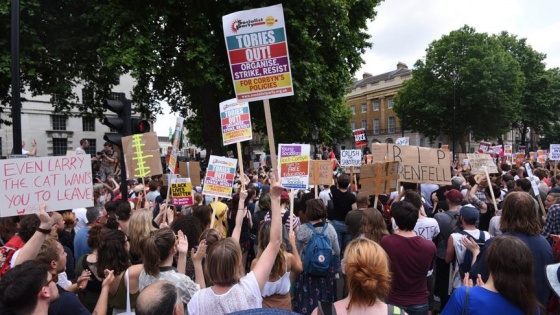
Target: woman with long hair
{"type": "Point", "coordinates": [366, 266]}
{"type": "Point", "coordinates": [113, 255]}
{"type": "Point", "coordinates": [373, 225]}
{"type": "Point", "coordinates": [139, 227]}
{"type": "Point", "coordinates": [519, 219]}
{"type": "Point", "coordinates": [89, 262]}
{"type": "Point", "coordinates": [510, 288]}
{"type": "Point", "coordinates": [276, 291]}
{"type": "Point", "coordinates": [246, 225]}
{"type": "Point", "coordinates": [231, 291]}
{"type": "Point", "coordinates": [158, 252]}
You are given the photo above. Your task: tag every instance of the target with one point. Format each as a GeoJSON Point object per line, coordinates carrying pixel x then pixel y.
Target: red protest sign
{"type": "Point", "coordinates": [360, 138]}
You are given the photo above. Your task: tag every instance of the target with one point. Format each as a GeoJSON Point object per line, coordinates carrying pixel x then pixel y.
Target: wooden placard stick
{"type": "Point", "coordinates": [375, 201]}
{"type": "Point", "coordinates": [491, 190]}
{"type": "Point", "coordinates": [543, 209]}
{"type": "Point", "coordinates": [315, 177]}
{"type": "Point", "coordinates": [240, 163]}
{"type": "Point", "coordinates": [291, 194]}
{"type": "Point", "coordinates": [270, 132]}
{"type": "Point", "coordinates": [213, 206]}
{"type": "Point", "coordinates": [555, 168]}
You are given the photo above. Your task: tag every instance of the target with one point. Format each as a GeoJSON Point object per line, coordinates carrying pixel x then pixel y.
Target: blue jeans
{"type": "Point", "coordinates": [342, 235]}
{"type": "Point", "coordinates": [418, 309]}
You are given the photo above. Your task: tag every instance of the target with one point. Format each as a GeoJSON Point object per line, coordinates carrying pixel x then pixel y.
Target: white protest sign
{"type": "Point", "coordinates": [555, 152]}
{"type": "Point", "coordinates": [350, 158]}
{"type": "Point", "coordinates": [480, 162]}
{"type": "Point", "coordinates": [62, 182]}
{"type": "Point", "coordinates": [532, 179]}
{"type": "Point", "coordinates": [403, 141]}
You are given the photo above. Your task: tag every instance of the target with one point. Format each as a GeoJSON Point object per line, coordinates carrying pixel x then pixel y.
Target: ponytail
{"type": "Point", "coordinates": [156, 249]}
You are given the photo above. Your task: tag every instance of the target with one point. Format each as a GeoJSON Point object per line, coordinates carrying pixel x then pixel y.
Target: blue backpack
{"type": "Point", "coordinates": [317, 256]}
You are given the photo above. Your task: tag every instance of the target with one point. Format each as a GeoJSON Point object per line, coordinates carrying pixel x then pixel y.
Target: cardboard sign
{"type": "Point", "coordinates": [555, 152]}
{"type": "Point", "coordinates": [519, 158]}
{"type": "Point", "coordinates": [258, 53]}
{"type": "Point", "coordinates": [294, 165]}
{"type": "Point", "coordinates": [62, 182]}
{"type": "Point", "coordinates": [541, 157]}
{"type": "Point", "coordinates": [379, 178]}
{"type": "Point", "coordinates": [320, 172]}
{"type": "Point", "coordinates": [166, 178]}
{"type": "Point", "coordinates": [417, 164]}
{"type": "Point", "coordinates": [484, 146]}
{"type": "Point", "coordinates": [176, 140]}
{"type": "Point", "coordinates": [141, 155]}
{"type": "Point", "coordinates": [360, 138]}
{"type": "Point", "coordinates": [181, 192]}
{"type": "Point", "coordinates": [220, 175]}
{"type": "Point", "coordinates": [508, 150]}
{"type": "Point", "coordinates": [403, 141]}
{"type": "Point", "coordinates": [350, 157]}
{"type": "Point", "coordinates": [190, 170]}
{"type": "Point", "coordinates": [481, 162]}
{"type": "Point", "coordinates": [236, 121]}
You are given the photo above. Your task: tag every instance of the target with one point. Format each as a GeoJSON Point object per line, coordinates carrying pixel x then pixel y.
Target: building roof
{"type": "Point", "coordinates": [381, 77]}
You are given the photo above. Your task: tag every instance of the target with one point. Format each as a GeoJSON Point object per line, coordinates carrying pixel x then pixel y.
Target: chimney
{"type": "Point", "coordinates": [401, 65]}
{"type": "Point", "coordinates": [366, 75]}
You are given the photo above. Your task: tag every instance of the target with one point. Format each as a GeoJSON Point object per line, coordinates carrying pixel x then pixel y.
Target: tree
{"type": "Point", "coordinates": [551, 129]}
{"type": "Point", "coordinates": [176, 52]}
{"type": "Point", "coordinates": [487, 90]}
{"type": "Point", "coordinates": [537, 107]}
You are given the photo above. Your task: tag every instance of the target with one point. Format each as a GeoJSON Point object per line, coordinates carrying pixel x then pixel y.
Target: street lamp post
{"type": "Point", "coordinates": [315, 137]}
{"type": "Point", "coordinates": [454, 77]}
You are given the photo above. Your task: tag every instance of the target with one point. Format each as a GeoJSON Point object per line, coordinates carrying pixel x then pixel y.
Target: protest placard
{"type": "Point", "coordinates": [219, 178]}
{"type": "Point", "coordinates": [320, 172]}
{"type": "Point", "coordinates": [190, 170]}
{"type": "Point", "coordinates": [176, 140]}
{"type": "Point", "coordinates": [541, 157]}
{"type": "Point", "coordinates": [350, 157]}
{"type": "Point", "coordinates": [236, 121]}
{"type": "Point", "coordinates": [294, 165]}
{"type": "Point", "coordinates": [258, 53]}
{"type": "Point", "coordinates": [360, 138]}
{"type": "Point", "coordinates": [417, 164]}
{"type": "Point", "coordinates": [555, 152]}
{"type": "Point", "coordinates": [534, 184]}
{"type": "Point", "coordinates": [379, 178]}
{"type": "Point", "coordinates": [181, 192]}
{"type": "Point", "coordinates": [480, 163]}
{"type": "Point", "coordinates": [141, 155]}
{"type": "Point", "coordinates": [62, 182]}
{"type": "Point", "coordinates": [403, 141]}
{"type": "Point", "coordinates": [523, 148]}
{"type": "Point", "coordinates": [519, 158]}
{"type": "Point", "coordinates": [369, 159]}
{"type": "Point", "coordinates": [508, 150]}
{"type": "Point", "coordinates": [484, 146]}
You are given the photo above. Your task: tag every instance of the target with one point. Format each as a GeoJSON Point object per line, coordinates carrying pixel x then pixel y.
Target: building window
{"type": "Point", "coordinates": [392, 124]}
{"type": "Point", "coordinates": [390, 103]}
{"type": "Point", "coordinates": [60, 146]}
{"type": "Point", "coordinates": [92, 149]}
{"type": "Point", "coordinates": [88, 124]}
{"type": "Point", "coordinates": [117, 96]}
{"type": "Point", "coordinates": [364, 108]}
{"type": "Point", "coordinates": [353, 110]}
{"type": "Point", "coordinates": [376, 106]}
{"type": "Point", "coordinates": [364, 124]}
{"type": "Point", "coordinates": [376, 126]}
{"type": "Point", "coordinates": [87, 96]}
{"type": "Point", "coordinates": [353, 125]}
{"type": "Point", "coordinates": [58, 122]}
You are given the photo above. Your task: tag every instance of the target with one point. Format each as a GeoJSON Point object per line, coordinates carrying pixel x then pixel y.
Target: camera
{"type": "Point", "coordinates": [100, 153]}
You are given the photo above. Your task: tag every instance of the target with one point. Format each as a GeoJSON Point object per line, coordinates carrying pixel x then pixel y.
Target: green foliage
{"type": "Point", "coordinates": [487, 91]}
{"type": "Point", "coordinates": [176, 52]}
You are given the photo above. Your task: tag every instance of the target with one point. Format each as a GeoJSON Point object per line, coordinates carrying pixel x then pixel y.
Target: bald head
{"type": "Point", "coordinates": [159, 298]}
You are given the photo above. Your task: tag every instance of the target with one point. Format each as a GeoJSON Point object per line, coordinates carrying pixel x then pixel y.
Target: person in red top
{"type": "Point", "coordinates": [412, 259]}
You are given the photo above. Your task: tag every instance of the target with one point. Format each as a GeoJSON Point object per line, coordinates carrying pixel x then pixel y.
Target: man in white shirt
{"type": "Point", "coordinates": [84, 144]}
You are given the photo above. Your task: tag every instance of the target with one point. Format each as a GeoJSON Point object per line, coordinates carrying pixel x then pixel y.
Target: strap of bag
{"type": "Point", "coordinates": [326, 308]}
{"type": "Point", "coordinates": [466, 304]}
{"type": "Point", "coordinates": [127, 281]}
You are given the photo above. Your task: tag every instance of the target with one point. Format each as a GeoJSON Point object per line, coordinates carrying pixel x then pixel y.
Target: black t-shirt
{"type": "Point", "coordinates": [342, 202]}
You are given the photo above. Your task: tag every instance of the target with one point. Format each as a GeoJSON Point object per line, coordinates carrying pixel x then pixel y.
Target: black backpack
{"type": "Point", "coordinates": [465, 266]}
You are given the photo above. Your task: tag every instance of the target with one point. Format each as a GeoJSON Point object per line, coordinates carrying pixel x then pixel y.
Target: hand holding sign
{"type": "Point", "coordinates": [275, 186]}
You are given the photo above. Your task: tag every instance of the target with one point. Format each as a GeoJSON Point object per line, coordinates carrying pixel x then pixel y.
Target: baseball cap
{"type": "Point", "coordinates": [469, 214]}
{"type": "Point", "coordinates": [457, 181]}
{"type": "Point", "coordinates": [454, 196]}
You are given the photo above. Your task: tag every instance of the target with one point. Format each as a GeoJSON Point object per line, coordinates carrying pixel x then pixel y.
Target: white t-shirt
{"type": "Point", "coordinates": [80, 150]}
{"type": "Point", "coordinates": [242, 296]}
{"type": "Point", "coordinates": [427, 228]}
{"type": "Point", "coordinates": [324, 195]}
{"type": "Point", "coordinates": [460, 251]}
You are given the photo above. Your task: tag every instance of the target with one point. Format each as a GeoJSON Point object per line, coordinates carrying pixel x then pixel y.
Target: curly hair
{"type": "Point", "coordinates": [190, 226]}
{"type": "Point", "coordinates": [112, 253]}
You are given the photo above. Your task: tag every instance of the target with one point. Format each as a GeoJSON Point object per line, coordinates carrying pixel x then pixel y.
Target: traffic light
{"type": "Point", "coordinates": [121, 124]}
{"type": "Point", "coordinates": [140, 126]}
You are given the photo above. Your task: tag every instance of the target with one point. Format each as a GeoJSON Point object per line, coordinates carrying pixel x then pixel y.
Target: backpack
{"type": "Point", "coordinates": [317, 256]}
{"type": "Point", "coordinates": [7, 251]}
{"type": "Point", "coordinates": [465, 266]}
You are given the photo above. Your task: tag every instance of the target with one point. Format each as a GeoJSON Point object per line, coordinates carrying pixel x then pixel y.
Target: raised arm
{"type": "Point", "coordinates": [264, 265]}
{"type": "Point", "coordinates": [241, 213]}
{"type": "Point", "coordinates": [30, 250]}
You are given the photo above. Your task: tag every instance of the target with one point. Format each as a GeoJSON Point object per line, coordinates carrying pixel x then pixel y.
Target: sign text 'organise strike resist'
{"type": "Point", "coordinates": [62, 182]}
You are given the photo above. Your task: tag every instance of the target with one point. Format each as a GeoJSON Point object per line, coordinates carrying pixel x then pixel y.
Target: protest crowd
{"type": "Point", "coordinates": [479, 245]}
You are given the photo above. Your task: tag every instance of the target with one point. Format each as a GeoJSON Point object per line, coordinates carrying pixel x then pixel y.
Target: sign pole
{"type": "Point", "coordinates": [491, 190]}
{"type": "Point", "coordinates": [270, 132]}
{"type": "Point", "coordinates": [213, 206]}
{"type": "Point", "coordinates": [291, 194]}
{"type": "Point", "coordinates": [240, 160]}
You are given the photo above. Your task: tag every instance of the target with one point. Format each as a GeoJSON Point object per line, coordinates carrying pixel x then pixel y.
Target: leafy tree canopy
{"type": "Point", "coordinates": [487, 90]}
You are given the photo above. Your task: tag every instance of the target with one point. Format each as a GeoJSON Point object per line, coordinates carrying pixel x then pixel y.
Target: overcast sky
{"type": "Point", "coordinates": [403, 29]}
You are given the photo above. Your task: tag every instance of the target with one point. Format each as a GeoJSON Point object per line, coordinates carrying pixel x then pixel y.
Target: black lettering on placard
{"type": "Point", "coordinates": [440, 156]}
{"type": "Point", "coordinates": [397, 153]}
